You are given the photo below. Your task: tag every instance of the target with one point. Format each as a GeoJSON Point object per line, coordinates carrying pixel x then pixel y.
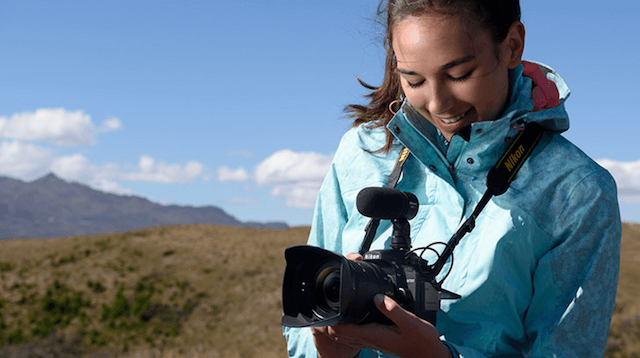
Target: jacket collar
{"type": "Point", "coordinates": [411, 128]}
{"type": "Point", "coordinates": [484, 140]}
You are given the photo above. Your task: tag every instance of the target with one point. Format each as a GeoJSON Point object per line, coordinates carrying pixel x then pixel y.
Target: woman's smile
{"type": "Point", "coordinates": [452, 120]}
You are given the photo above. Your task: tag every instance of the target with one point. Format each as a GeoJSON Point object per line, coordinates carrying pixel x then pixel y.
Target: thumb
{"type": "Point", "coordinates": [393, 310]}
{"type": "Point", "coordinates": [354, 257]}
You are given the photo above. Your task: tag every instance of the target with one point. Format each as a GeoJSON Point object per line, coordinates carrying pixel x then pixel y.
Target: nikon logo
{"type": "Point", "coordinates": [514, 158]}
{"type": "Point", "coordinates": [372, 256]}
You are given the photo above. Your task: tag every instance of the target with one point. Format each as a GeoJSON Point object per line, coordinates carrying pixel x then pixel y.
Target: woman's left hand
{"type": "Point", "coordinates": [410, 337]}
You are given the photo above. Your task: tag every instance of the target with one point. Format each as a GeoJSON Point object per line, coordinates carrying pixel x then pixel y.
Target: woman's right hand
{"type": "Point", "coordinates": [329, 347]}
{"type": "Point", "coordinates": [327, 344]}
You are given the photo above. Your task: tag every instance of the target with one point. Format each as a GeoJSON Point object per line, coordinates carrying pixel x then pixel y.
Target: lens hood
{"type": "Point", "coordinates": [322, 288]}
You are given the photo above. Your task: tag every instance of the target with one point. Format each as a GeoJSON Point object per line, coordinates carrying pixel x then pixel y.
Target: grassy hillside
{"type": "Point", "coordinates": [624, 335]}
{"type": "Point", "coordinates": [183, 291]}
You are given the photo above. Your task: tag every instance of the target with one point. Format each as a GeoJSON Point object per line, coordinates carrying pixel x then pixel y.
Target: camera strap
{"type": "Point", "coordinates": [498, 180]}
{"type": "Point", "coordinates": [372, 226]}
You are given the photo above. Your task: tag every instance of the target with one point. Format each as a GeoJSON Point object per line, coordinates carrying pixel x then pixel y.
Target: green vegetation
{"type": "Point", "coordinates": [57, 308]}
{"type": "Point", "coordinates": [185, 291]}
{"type": "Point", "coordinates": [63, 260]}
{"type": "Point", "coordinates": [60, 306]}
{"type": "Point", "coordinates": [96, 287]}
{"type": "Point", "coordinates": [5, 267]}
{"type": "Point", "coordinates": [141, 316]}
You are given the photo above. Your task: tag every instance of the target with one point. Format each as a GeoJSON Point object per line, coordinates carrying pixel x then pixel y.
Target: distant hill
{"type": "Point", "coordinates": [52, 207]}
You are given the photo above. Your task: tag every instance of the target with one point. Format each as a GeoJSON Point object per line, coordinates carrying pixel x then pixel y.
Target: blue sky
{"type": "Point", "coordinates": [238, 104]}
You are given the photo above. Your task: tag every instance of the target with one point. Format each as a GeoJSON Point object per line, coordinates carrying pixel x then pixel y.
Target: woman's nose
{"type": "Point", "coordinates": [440, 99]}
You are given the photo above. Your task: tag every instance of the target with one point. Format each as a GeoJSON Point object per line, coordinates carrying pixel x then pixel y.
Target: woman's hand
{"type": "Point", "coordinates": [410, 337]}
{"type": "Point", "coordinates": [329, 345]}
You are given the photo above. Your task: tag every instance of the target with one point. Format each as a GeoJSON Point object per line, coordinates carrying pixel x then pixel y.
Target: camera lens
{"type": "Point", "coordinates": [327, 289]}
{"type": "Point", "coordinates": [331, 287]}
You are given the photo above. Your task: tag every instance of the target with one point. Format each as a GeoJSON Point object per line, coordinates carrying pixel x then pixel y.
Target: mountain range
{"type": "Point", "coordinates": [52, 207]}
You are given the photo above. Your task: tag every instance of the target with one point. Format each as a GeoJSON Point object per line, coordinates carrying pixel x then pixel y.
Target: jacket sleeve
{"type": "Point", "coordinates": [328, 222]}
{"type": "Point", "coordinates": [330, 214]}
{"type": "Point", "coordinates": [300, 342]}
{"type": "Point", "coordinates": [575, 282]}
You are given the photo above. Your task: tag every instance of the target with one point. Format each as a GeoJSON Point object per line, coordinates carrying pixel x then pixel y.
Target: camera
{"type": "Point", "coordinates": [322, 288]}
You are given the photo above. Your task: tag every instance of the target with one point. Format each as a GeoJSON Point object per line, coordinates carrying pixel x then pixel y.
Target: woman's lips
{"type": "Point", "coordinates": [452, 120]}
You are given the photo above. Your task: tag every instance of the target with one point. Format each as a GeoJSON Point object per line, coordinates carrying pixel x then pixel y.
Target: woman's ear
{"type": "Point", "coordinates": [513, 44]}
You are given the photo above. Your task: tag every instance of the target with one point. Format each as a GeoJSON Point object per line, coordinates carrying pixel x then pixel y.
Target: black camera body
{"type": "Point", "coordinates": [322, 288]}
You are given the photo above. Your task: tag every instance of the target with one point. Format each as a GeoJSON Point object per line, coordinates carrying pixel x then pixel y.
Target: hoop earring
{"type": "Point", "coordinates": [391, 106]}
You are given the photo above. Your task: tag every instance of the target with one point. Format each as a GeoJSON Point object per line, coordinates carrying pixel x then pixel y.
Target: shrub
{"type": "Point", "coordinates": [120, 307]}
{"type": "Point", "coordinates": [96, 338]}
{"type": "Point", "coordinates": [5, 267]}
{"type": "Point", "coordinates": [96, 287]}
{"type": "Point", "coordinates": [15, 336]}
{"type": "Point", "coordinates": [57, 308]}
{"type": "Point", "coordinates": [63, 260]}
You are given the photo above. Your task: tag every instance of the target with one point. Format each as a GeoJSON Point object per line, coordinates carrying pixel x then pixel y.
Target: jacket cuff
{"type": "Point", "coordinates": [452, 349]}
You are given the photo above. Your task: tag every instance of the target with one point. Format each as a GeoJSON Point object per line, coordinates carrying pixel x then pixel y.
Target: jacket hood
{"type": "Point", "coordinates": [538, 94]}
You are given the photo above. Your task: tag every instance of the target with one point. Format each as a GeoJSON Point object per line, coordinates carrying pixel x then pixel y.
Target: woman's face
{"type": "Point", "coordinates": [451, 73]}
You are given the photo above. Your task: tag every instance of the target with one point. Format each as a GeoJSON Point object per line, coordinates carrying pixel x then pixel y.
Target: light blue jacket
{"type": "Point", "coordinates": [537, 275]}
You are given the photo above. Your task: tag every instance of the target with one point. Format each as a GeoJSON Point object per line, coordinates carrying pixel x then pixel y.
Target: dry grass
{"type": "Point", "coordinates": [216, 293]}
{"type": "Point", "coordinates": [230, 276]}
{"type": "Point", "coordinates": [624, 335]}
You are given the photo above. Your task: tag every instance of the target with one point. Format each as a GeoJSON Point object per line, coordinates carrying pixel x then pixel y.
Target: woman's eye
{"type": "Point", "coordinates": [461, 78]}
{"type": "Point", "coordinates": [415, 85]}
{"type": "Point", "coordinates": [455, 79]}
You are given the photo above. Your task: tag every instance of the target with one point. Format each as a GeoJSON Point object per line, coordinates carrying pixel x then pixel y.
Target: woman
{"type": "Point", "coordinates": [538, 274]}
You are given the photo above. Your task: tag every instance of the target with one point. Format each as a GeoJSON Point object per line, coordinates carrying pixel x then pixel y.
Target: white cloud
{"type": "Point", "coordinates": [109, 186]}
{"type": "Point", "coordinates": [239, 175]}
{"type": "Point", "coordinates": [55, 125]}
{"type": "Point", "coordinates": [298, 195]}
{"type": "Point", "coordinates": [77, 168]}
{"type": "Point", "coordinates": [74, 167]}
{"type": "Point", "coordinates": [161, 172]}
{"type": "Point", "coordinates": [24, 161]}
{"type": "Point", "coordinates": [28, 162]}
{"type": "Point", "coordinates": [297, 177]}
{"type": "Point", "coordinates": [106, 177]}
{"type": "Point", "coordinates": [110, 124]}
{"type": "Point", "coordinates": [627, 176]}
{"type": "Point", "coordinates": [72, 128]}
